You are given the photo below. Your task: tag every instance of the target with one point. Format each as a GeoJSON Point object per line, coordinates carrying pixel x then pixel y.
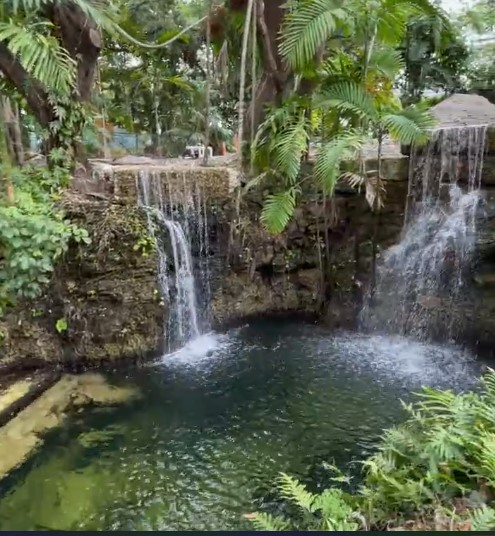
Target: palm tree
{"type": "Point", "coordinates": [349, 54]}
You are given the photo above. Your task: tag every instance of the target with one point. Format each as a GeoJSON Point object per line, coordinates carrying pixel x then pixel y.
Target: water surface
{"type": "Point", "coordinates": [217, 422]}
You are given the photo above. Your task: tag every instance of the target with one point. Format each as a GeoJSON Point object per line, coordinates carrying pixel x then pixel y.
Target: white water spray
{"type": "Point", "coordinates": [420, 279]}
{"type": "Point", "coordinates": [177, 219]}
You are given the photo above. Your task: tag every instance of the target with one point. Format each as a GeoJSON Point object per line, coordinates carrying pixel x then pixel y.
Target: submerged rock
{"type": "Point", "coordinates": [22, 434]}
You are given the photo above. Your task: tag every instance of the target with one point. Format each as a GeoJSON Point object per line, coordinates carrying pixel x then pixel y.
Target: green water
{"type": "Point", "coordinates": [216, 423]}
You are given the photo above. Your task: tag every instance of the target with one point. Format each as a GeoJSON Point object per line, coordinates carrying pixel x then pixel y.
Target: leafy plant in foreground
{"type": "Point", "coordinates": [331, 510]}
{"type": "Point", "coordinates": [437, 469]}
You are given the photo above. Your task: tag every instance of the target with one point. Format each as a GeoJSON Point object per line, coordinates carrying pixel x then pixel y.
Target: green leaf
{"type": "Point", "coordinates": [347, 97]}
{"type": "Point", "coordinates": [330, 156]}
{"type": "Point", "coordinates": [278, 210]}
{"type": "Point", "coordinates": [307, 27]}
{"type": "Point", "coordinates": [267, 522]}
{"type": "Point", "coordinates": [288, 147]}
{"type": "Point", "coordinates": [483, 519]}
{"type": "Point", "coordinates": [411, 126]}
{"type": "Point", "coordinates": [61, 325]}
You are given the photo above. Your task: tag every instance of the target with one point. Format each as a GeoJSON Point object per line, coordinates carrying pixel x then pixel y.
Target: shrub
{"type": "Point", "coordinates": [33, 234]}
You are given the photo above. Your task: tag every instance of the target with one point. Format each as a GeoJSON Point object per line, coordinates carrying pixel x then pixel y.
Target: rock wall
{"type": "Point", "coordinates": [104, 297]}
{"type": "Point", "coordinates": [104, 303]}
{"type": "Point", "coordinates": [294, 272]}
{"type": "Point", "coordinates": [109, 305]}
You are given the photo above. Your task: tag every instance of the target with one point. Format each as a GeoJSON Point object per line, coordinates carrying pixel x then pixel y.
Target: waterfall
{"type": "Point", "coordinates": [177, 221]}
{"type": "Point", "coordinates": [420, 279]}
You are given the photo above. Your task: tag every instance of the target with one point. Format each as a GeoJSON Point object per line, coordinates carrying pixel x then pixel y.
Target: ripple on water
{"type": "Point", "coordinates": [218, 420]}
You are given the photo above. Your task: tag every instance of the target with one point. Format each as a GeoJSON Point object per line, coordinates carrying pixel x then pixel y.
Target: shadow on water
{"type": "Point", "coordinates": [218, 420]}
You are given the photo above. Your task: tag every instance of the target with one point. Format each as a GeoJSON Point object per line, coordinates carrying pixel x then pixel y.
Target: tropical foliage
{"type": "Point", "coordinates": [443, 455]}
{"type": "Point", "coordinates": [341, 75]}
{"type": "Point", "coordinates": [33, 234]}
{"type": "Point", "coordinates": [48, 67]}
{"type": "Point", "coordinates": [349, 56]}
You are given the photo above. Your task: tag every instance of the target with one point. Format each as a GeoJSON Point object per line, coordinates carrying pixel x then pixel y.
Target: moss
{"type": "Point", "coordinates": [14, 392]}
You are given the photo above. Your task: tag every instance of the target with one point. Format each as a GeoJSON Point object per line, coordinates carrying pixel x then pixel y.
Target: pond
{"type": "Point", "coordinates": [217, 422]}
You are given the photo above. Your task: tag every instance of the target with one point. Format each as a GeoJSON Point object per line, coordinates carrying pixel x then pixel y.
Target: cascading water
{"type": "Point", "coordinates": [425, 274]}
{"type": "Point", "coordinates": [177, 220]}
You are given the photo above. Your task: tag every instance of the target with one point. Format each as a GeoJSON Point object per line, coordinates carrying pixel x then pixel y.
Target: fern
{"type": "Point", "coordinates": [335, 510]}
{"type": "Point", "coordinates": [296, 493]}
{"type": "Point", "coordinates": [482, 519]}
{"type": "Point", "coordinates": [445, 451]}
{"type": "Point", "coordinates": [329, 510]}
{"type": "Point", "coordinates": [263, 521]}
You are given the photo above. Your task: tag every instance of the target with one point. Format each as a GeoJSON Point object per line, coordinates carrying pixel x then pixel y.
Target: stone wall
{"type": "Point", "coordinates": [108, 297]}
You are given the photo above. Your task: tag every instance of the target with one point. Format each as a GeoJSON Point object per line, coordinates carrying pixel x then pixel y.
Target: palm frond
{"type": "Point", "coordinates": [278, 210]}
{"type": "Point", "coordinates": [347, 97]}
{"type": "Point", "coordinates": [410, 126]}
{"type": "Point", "coordinates": [268, 130]}
{"type": "Point", "coordinates": [393, 16]}
{"type": "Point", "coordinates": [101, 12]}
{"type": "Point", "coordinates": [288, 147]}
{"type": "Point", "coordinates": [386, 61]}
{"type": "Point", "coordinates": [373, 185]}
{"type": "Point", "coordinates": [179, 81]}
{"type": "Point", "coordinates": [331, 155]}
{"type": "Point", "coordinates": [41, 54]}
{"type": "Point", "coordinates": [308, 25]}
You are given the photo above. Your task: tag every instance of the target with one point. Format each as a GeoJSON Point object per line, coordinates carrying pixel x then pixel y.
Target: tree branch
{"type": "Point", "coordinates": [81, 38]}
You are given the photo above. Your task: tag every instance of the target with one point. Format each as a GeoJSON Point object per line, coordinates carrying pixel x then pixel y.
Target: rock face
{"type": "Point", "coordinates": [111, 308]}
{"type": "Point", "coordinates": [105, 298]}
{"type": "Point", "coordinates": [105, 294]}
{"type": "Point", "coordinates": [478, 313]}
{"type": "Point", "coordinates": [294, 272]}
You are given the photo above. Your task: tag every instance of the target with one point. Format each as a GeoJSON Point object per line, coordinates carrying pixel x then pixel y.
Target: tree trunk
{"type": "Point", "coordinates": [80, 36]}
{"type": "Point", "coordinates": [275, 77]}
{"type": "Point", "coordinates": [12, 131]}
{"type": "Point", "coordinates": [34, 93]}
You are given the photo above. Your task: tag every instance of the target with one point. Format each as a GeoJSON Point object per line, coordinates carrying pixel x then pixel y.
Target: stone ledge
{"type": "Point", "coordinates": [215, 183]}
